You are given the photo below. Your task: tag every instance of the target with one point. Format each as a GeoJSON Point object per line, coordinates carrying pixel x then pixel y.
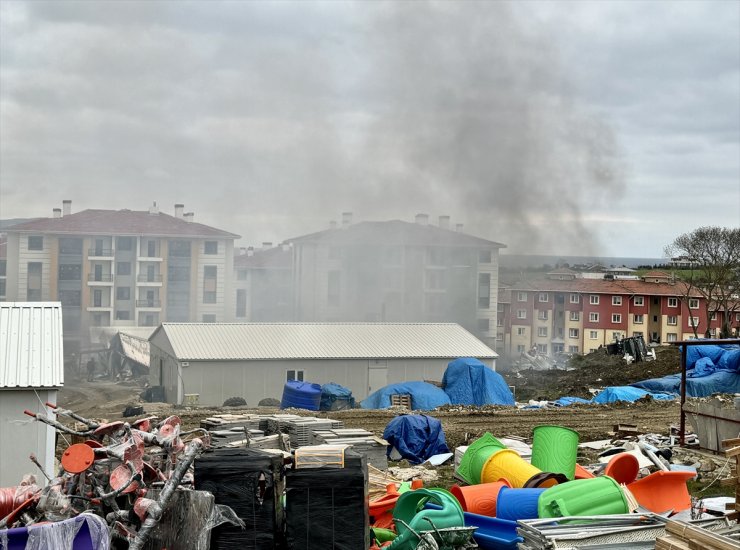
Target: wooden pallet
{"type": "Point", "coordinates": [403, 400]}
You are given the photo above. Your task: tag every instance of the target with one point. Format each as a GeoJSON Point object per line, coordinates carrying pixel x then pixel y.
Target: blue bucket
{"type": "Point", "coordinates": [515, 504]}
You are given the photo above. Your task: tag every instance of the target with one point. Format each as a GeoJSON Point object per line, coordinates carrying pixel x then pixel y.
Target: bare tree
{"type": "Point", "coordinates": [715, 255]}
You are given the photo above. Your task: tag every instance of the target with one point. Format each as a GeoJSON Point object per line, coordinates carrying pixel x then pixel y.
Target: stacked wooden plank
{"type": "Point", "coordinates": [362, 441]}
{"type": "Point", "coordinates": [732, 453]}
{"type": "Point", "coordinates": [229, 421]}
{"type": "Point", "coordinates": [682, 536]}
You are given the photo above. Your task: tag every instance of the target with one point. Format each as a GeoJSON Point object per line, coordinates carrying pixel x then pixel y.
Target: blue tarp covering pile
{"type": "Point", "coordinates": [710, 369]}
{"type": "Point", "coordinates": [467, 381]}
{"type": "Point", "coordinates": [629, 394]}
{"type": "Point", "coordinates": [335, 397]}
{"type": "Point", "coordinates": [565, 401]}
{"type": "Point", "coordinates": [424, 396]}
{"type": "Point", "coordinates": [416, 437]}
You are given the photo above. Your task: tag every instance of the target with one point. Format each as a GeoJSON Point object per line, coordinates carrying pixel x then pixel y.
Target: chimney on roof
{"type": "Point", "coordinates": [154, 209]}
{"type": "Point", "coordinates": [266, 245]}
{"type": "Point", "coordinates": [250, 251]}
{"type": "Point", "coordinates": [422, 219]}
{"type": "Point", "coordinates": [189, 216]}
{"type": "Point", "coordinates": [57, 212]}
{"type": "Point", "coordinates": [444, 222]}
{"type": "Point", "coordinates": [333, 224]}
{"type": "Point", "coordinates": [459, 227]}
{"type": "Point", "coordinates": [346, 219]}
{"type": "Point", "coordinates": [179, 210]}
{"type": "Point", "coordinates": [66, 207]}
{"type": "Point", "coordinates": [242, 250]}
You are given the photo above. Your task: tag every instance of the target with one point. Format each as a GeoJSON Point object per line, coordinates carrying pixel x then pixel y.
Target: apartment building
{"type": "Point", "coordinates": [563, 312]}
{"type": "Point", "coordinates": [263, 284]}
{"type": "Point", "coordinates": [121, 268]}
{"type": "Point", "coordinates": [397, 271]}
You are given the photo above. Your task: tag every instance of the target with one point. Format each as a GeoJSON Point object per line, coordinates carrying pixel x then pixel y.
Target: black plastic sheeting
{"type": "Point", "coordinates": [326, 508]}
{"type": "Point", "coordinates": [250, 481]}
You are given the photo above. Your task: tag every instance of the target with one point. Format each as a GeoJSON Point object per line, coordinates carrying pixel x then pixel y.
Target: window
{"type": "Point", "coordinates": [484, 290]}
{"type": "Point", "coordinates": [639, 300]}
{"type": "Point", "coordinates": [616, 300]}
{"type": "Point", "coordinates": [483, 325]}
{"type": "Point", "coordinates": [694, 321]}
{"type": "Point", "coordinates": [69, 245]}
{"type": "Point", "coordinates": [499, 322]}
{"type": "Point", "coordinates": [97, 298]}
{"type": "Point", "coordinates": [296, 375]}
{"type": "Point", "coordinates": [151, 249]}
{"type": "Point", "coordinates": [210, 274]}
{"type": "Point", "coordinates": [542, 314]}
{"type": "Point", "coordinates": [616, 318]}
{"type": "Point", "coordinates": [672, 320]}
{"type": "Point", "coordinates": [693, 303]}
{"type": "Point", "coordinates": [572, 349]}
{"type": "Point", "coordinates": [179, 249]}
{"type": "Point", "coordinates": [35, 243]}
{"type": "Point", "coordinates": [436, 256]}
{"type": "Point", "coordinates": [150, 320]}
{"type": "Point", "coordinates": [521, 313]}
{"type": "Point", "coordinates": [639, 319]}
{"type": "Point", "coordinates": [593, 317]}
{"type": "Point", "coordinates": [2, 287]}
{"type": "Point", "coordinates": [123, 268]}
{"type": "Point", "coordinates": [521, 331]}
{"type": "Point", "coordinates": [637, 333]}
{"type": "Point", "coordinates": [543, 297]}
{"type": "Point", "coordinates": [211, 247]}
{"type": "Point", "coordinates": [573, 333]}
{"type": "Point", "coordinates": [72, 298]}
{"type": "Point", "coordinates": [241, 275]}
{"type": "Point", "coordinates": [542, 348]}
{"type": "Point", "coordinates": [333, 288]}
{"type": "Point", "coordinates": [123, 293]}
{"type": "Point", "coordinates": [593, 335]}
{"type": "Point", "coordinates": [3, 268]}
{"type": "Point", "coordinates": [34, 281]}
{"type": "Point", "coordinates": [70, 272]}
{"type": "Point", "coordinates": [713, 316]}
{"type": "Point", "coordinates": [520, 348]}
{"type": "Point", "coordinates": [499, 336]}
{"type": "Point", "coordinates": [542, 332]}
{"type": "Point", "coordinates": [672, 337]}
{"type": "Point", "coordinates": [177, 273]}
{"type": "Point", "coordinates": [123, 315]}
{"type": "Point", "coordinates": [209, 317]}
{"type": "Point", "coordinates": [484, 256]}
{"type": "Point", "coordinates": [124, 243]}
{"type": "Point", "coordinates": [575, 298]}
{"type": "Point", "coordinates": [593, 299]}
{"type": "Point", "coordinates": [575, 315]}
{"type": "Point", "coordinates": [737, 317]}
{"type": "Point", "coordinates": [672, 302]}
{"type": "Point", "coordinates": [521, 296]}
{"type": "Point", "coordinates": [241, 302]}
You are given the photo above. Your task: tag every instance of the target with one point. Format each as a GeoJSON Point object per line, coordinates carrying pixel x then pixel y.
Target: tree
{"type": "Point", "coordinates": [715, 252]}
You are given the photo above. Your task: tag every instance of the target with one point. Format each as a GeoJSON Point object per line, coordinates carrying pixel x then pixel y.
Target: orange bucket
{"type": "Point", "coordinates": [479, 499]}
{"type": "Point", "coordinates": [583, 473]}
{"type": "Point", "coordinates": [381, 509]}
{"type": "Point", "coordinates": [663, 491]}
{"type": "Point", "coordinates": [623, 468]}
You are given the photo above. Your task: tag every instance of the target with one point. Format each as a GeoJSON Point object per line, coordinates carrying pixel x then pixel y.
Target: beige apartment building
{"type": "Point", "coordinates": [121, 268]}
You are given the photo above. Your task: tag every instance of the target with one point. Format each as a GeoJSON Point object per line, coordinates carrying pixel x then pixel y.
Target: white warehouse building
{"type": "Point", "coordinates": [216, 361]}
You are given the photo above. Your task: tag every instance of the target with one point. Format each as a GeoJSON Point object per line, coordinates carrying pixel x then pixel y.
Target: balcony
{"type": "Point", "coordinates": [148, 304]}
{"type": "Point", "coordinates": [150, 258]}
{"type": "Point", "coordinates": [100, 307]}
{"type": "Point", "coordinates": [100, 253]}
{"type": "Point", "coordinates": [100, 280]}
{"type": "Point", "coordinates": [149, 280]}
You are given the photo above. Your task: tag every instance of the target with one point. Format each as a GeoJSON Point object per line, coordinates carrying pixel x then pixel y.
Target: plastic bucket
{"type": "Point", "coordinates": [410, 509]}
{"type": "Point", "coordinates": [516, 504]}
{"type": "Point", "coordinates": [623, 468]}
{"type": "Point", "coordinates": [583, 497]}
{"type": "Point", "coordinates": [479, 499]}
{"type": "Point", "coordinates": [476, 456]}
{"type": "Point", "coordinates": [583, 473]}
{"type": "Point", "coordinates": [555, 449]}
{"type": "Point", "coordinates": [663, 491]}
{"type": "Point", "coordinates": [507, 464]}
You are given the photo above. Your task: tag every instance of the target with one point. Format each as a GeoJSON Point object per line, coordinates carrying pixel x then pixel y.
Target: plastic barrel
{"type": "Point", "coordinates": [516, 504]}
{"type": "Point", "coordinates": [301, 395]}
{"type": "Point", "coordinates": [583, 497]}
{"type": "Point", "coordinates": [479, 499]}
{"type": "Point", "coordinates": [410, 509]}
{"type": "Point", "coordinates": [507, 464]}
{"type": "Point", "coordinates": [623, 468]}
{"type": "Point", "coordinates": [663, 491]}
{"type": "Point", "coordinates": [555, 449]}
{"type": "Point", "coordinates": [476, 456]}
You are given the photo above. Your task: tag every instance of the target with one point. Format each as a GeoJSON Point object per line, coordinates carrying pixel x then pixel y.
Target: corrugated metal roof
{"type": "Point", "coordinates": [235, 341]}
{"type": "Point", "coordinates": [31, 350]}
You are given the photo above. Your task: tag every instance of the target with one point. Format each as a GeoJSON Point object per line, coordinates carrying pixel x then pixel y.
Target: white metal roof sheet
{"type": "Point", "coordinates": [31, 348]}
{"type": "Point", "coordinates": [235, 341]}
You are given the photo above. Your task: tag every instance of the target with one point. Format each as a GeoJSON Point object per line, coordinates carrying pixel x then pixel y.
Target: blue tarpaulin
{"type": "Point", "coordinates": [335, 397]}
{"type": "Point", "coordinates": [629, 394]}
{"type": "Point", "coordinates": [424, 396]}
{"type": "Point", "coordinates": [416, 437]}
{"type": "Point", "coordinates": [565, 401]}
{"type": "Point", "coordinates": [467, 381]}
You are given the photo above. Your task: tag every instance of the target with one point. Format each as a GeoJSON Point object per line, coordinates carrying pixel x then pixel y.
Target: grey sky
{"type": "Point", "coordinates": [555, 127]}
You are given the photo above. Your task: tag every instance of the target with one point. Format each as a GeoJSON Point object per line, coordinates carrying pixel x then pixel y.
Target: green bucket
{"type": "Point", "coordinates": [410, 509]}
{"type": "Point", "coordinates": [476, 456]}
{"type": "Point", "coordinates": [555, 449]}
{"type": "Point", "coordinates": [598, 496]}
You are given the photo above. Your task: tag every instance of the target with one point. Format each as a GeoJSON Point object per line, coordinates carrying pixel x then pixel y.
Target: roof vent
{"type": "Point", "coordinates": [266, 245]}
{"type": "Point", "coordinates": [250, 251]}
{"type": "Point", "coordinates": [179, 209]}
{"type": "Point", "coordinates": [66, 207]}
{"type": "Point", "coordinates": [57, 212]}
{"type": "Point", "coordinates": [346, 219]}
{"type": "Point", "coordinates": [154, 209]}
{"type": "Point", "coordinates": [444, 222]}
{"type": "Point", "coordinates": [189, 216]}
{"type": "Point", "coordinates": [422, 219]}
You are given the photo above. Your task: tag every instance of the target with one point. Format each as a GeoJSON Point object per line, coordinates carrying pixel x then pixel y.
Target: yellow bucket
{"type": "Point", "coordinates": [509, 465]}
